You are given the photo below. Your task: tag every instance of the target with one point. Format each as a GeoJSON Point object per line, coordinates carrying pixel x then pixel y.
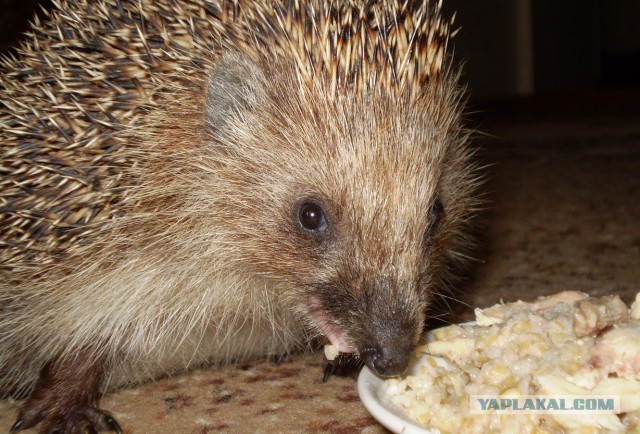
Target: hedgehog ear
{"type": "Point", "coordinates": [236, 86]}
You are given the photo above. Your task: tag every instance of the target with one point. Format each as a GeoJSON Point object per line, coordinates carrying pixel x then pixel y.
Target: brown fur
{"type": "Point", "coordinates": [154, 228]}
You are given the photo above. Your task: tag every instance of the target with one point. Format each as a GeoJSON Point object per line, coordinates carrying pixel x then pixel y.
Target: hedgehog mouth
{"type": "Point", "coordinates": [327, 325]}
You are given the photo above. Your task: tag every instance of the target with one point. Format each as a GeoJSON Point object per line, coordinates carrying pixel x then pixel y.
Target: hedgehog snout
{"type": "Point", "coordinates": [387, 361]}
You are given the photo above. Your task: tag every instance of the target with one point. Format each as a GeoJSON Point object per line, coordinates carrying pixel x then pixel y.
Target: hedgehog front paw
{"type": "Point", "coordinates": [344, 365]}
{"type": "Point", "coordinates": [80, 420]}
{"type": "Point", "coordinates": [64, 400]}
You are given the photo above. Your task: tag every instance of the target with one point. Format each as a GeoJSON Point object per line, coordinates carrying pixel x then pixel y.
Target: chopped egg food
{"type": "Point", "coordinates": [483, 377]}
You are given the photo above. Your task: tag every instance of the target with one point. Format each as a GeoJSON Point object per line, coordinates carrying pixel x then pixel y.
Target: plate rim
{"type": "Point", "coordinates": [389, 415]}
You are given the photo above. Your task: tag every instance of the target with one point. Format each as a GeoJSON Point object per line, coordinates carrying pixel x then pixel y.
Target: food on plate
{"type": "Point", "coordinates": [567, 344]}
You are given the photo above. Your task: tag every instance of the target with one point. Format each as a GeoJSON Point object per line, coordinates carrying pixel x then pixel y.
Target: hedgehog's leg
{"type": "Point", "coordinates": [344, 365]}
{"type": "Point", "coordinates": [65, 400]}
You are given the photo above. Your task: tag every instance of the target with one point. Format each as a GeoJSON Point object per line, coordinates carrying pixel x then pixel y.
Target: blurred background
{"type": "Point", "coordinates": [510, 47]}
{"type": "Point", "coordinates": [526, 47]}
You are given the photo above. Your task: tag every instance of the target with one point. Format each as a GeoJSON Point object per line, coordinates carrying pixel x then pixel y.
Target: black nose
{"type": "Point", "coordinates": [386, 362]}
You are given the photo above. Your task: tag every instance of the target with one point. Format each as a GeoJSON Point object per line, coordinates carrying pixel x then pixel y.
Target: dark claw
{"type": "Point", "coordinates": [327, 371]}
{"type": "Point", "coordinates": [17, 426]}
{"type": "Point", "coordinates": [112, 424]}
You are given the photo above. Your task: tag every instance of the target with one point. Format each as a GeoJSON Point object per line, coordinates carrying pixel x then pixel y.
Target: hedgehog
{"type": "Point", "coordinates": [198, 182]}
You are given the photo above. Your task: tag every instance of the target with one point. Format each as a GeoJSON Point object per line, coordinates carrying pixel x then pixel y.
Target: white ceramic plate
{"type": "Point", "coordinates": [381, 407]}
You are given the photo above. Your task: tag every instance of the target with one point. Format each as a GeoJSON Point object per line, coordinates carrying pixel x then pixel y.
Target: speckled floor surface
{"type": "Point", "coordinates": [564, 190]}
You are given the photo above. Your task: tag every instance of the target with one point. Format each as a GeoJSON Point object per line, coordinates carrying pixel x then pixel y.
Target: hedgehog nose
{"type": "Point", "coordinates": [386, 362]}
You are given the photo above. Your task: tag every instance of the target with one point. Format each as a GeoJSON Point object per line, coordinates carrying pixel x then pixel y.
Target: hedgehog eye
{"type": "Point", "coordinates": [312, 217]}
{"type": "Point", "coordinates": [436, 212]}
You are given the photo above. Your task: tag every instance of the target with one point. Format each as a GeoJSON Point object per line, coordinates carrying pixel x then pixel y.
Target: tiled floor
{"type": "Point", "coordinates": [564, 213]}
